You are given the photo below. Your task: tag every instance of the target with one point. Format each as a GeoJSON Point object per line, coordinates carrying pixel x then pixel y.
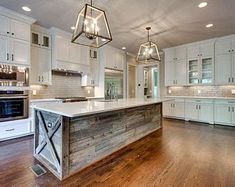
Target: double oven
{"type": "Point", "coordinates": [14, 104]}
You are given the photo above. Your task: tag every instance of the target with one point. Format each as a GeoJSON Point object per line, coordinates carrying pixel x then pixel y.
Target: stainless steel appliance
{"type": "Point", "coordinates": [72, 99]}
{"type": "Point", "coordinates": [14, 75]}
{"type": "Point", "coordinates": [113, 84]}
{"type": "Point", "coordinates": [14, 105]}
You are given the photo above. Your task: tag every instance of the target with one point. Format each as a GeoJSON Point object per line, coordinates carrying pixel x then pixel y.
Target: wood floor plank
{"type": "Point", "coordinates": [180, 154]}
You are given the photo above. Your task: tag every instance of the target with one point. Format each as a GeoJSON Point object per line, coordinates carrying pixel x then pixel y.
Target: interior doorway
{"type": "Point", "coordinates": [151, 82]}
{"type": "Point", "coordinates": [131, 81]}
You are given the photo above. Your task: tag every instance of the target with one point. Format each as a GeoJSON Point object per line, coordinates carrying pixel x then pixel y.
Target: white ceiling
{"type": "Point", "coordinates": [173, 22]}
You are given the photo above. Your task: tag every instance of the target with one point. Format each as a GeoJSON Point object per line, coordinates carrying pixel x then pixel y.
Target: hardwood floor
{"type": "Point", "coordinates": [181, 154]}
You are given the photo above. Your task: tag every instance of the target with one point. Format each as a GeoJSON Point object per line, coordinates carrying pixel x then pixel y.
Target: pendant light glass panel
{"type": "Point", "coordinates": [92, 28]}
{"type": "Point", "coordinates": [148, 52]}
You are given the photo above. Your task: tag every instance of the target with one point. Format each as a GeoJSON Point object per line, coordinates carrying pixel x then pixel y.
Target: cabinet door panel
{"type": "Point", "coordinates": [35, 63]}
{"type": "Point", "coordinates": [45, 67]}
{"type": "Point", "coordinates": [4, 53]}
{"type": "Point", "coordinates": [222, 46]}
{"type": "Point", "coordinates": [167, 109]}
{"type": "Point", "coordinates": [222, 114]}
{"type": "Point", "coordinates": [20, 30]}
{"type": "Point", "coordinates": [119, 61]}
{"type": "Point", "coordinates": [222, 69]}
{"type": "Point", "coordinates": [179, 109]}
{"type": "Point", "coordinates": [169, 73]}
{"type": "Point", "coordinates": [84, 58]}
{"type": "Point", "coordinates": [191, 111]}
{"type": "Point", "coordinates": [206, 112]}
{"type": "Point", "coordinates": [74, 53]}
{"type": "Point", "coordinates": [180, 72]}
{"type": "Point", "coordinates": [109, 57]}
{"type": "Point", "coordinates": [20, 52]}
{"type": "Point", "coordinates": [193, 51]}
{"type": "Point", "coordinates": [4, 26]}
{"type": "Point", "coordinates": [207, 48]}
{"type": "Point", "coordinates": [180, 53]}
{"type": "Point", "coordinates": [62, 49]}
{"type": "Point", "coordinates": [170, 54]}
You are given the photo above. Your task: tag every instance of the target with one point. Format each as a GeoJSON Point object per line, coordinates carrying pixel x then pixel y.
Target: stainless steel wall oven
{"type": "Point", "coordinates": [13, 105]}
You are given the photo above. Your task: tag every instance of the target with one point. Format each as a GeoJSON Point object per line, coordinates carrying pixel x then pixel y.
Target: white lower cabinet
{"type": "Point", "coordinates": [174, 108]}
{"type": "Point", "coordinates": [13, 129]}
{"type": "Point", "coordinates": [224, 112]}
{"type": "Point", "coordinates": [199, 110]}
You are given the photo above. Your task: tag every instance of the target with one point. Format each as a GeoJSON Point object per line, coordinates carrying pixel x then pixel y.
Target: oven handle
{"type": "Point", "coordinates": [15, 97]}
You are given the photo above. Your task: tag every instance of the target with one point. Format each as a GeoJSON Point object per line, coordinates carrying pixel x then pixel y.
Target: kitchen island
{"type": "Point", "coordinates": [71, 136]}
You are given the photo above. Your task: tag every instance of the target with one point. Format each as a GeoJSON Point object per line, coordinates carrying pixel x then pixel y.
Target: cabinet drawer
{"type": "Point", "coordinates": [14, 128]}
{"type": "Point", "coordinates": [203, 101]}
{"type": "Point", "coordinates": [224, 102]}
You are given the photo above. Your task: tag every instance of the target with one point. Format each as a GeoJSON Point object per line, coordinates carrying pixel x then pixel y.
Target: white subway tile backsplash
{"type": "Point", "coordinates": [212, 91]}
{"type": "Point", "coordinates": [62, 86]}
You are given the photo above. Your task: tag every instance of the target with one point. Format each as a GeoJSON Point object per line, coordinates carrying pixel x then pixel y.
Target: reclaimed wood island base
{"type": "Point", "coordinates": [66, 145]}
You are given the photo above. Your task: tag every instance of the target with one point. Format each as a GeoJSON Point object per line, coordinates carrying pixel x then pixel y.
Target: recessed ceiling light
{"type": "Point", "coordinates": [209, 25]}
{"type": "Point", "coordinates": [25, 8]}
{"type": "Point", "coordinates": [103, 40]}
{"type": "Point", "coordinates": [202, 4]}
{"type": "Point", "coordinates": [73, 28]}
{"type": "Point", "coordinates": [123, 48]}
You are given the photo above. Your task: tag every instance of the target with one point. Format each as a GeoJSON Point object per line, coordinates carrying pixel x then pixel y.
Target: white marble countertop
{"type": "Point", "coordinates": [201, 97]}
{"type": "Point", "coordinates": [44, 100]}
{"type": "Point", "coordinates": [94, 107]}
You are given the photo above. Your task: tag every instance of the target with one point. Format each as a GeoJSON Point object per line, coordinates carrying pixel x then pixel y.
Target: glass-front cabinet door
{"type": "Point", "coordinates": [193, 71]}
{"type": "Point", "coordinates": [207, 71]}
{"type": "Point", "coordinates": [46, 41]}
{"type": "Point", "coordinates": [35, 38]}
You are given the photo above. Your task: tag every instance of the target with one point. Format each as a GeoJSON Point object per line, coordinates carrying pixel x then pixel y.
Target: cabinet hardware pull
{"type": "Point", "coordinates": [229, 51]}
{"type": "Point", "coordinates": [13, 33]}
{"type": "Point", "coordinates": [199, 107]}
{"type": "Point", "coordinates": [7, 56]}
{"type": "Point", "coordinates": [196, 106]}
{"type": "Point", "coordinates": [42, 79]}
{"type": "Point", "coordinates": [39, 79]}
{"type": "Point", "coordinates": [8, 32]}
{"type": "Point", "coordinates": [232, 109]}
{"type": "Point", "coordinates": [229, 108]}
{"type": "Point", "coordinates": [8, 130]}
{"type": "Point", "coordinates": [12, 57]}
{"type": "Point", "coordinates": [232, 79]}
{"type": "Point", "coordinates": [229, 79]}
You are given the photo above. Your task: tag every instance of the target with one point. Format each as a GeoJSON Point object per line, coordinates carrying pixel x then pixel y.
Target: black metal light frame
{"type": "Point", "coordinates": [75, 36]}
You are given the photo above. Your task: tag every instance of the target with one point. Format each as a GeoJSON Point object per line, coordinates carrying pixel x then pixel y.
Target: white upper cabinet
{"type": "Point", "coordinates": [20, 30]}
{"type": "Point", "coordinates": [14, 51]}
{"type": "Point", "coordinates": [175, 66]}
{"type": "Point", "coordinates": [67, 55]}
{"type": "Point", "coordinates": [4, 53]}
{"type": "Point", "coordinates": [20, 52]}
{"type": "Point", "coordinates": [14, 28]}
{"type": "Point", "coordinates": [5, 26]}
{"type": "Point", "coordinates": [225, 60]}
{"type": "Point", "coordinates": [40, 71]}
{"type": "Point", "coordinates": [62, 47]}
{"type": "Point", "coordinates": [200, 62]}
{"type": "Point", "coordinates": [114, 58]}
{"type": "Point", "coordinates": [14, 37]}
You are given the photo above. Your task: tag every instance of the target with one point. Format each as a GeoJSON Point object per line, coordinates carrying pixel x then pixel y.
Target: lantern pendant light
{"type": "Point", "coordinates": [92, 28]}
{"type": "Point", "coordinates": [148, 51]}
